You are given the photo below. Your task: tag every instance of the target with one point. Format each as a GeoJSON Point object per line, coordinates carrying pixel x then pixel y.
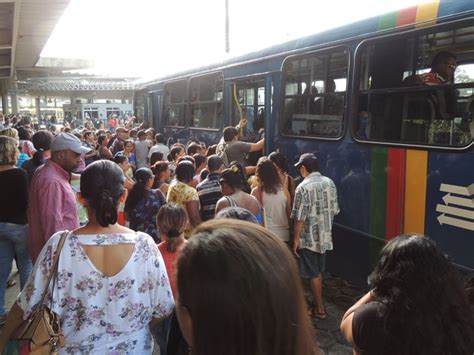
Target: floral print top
{"type": "Point", "coordinates": [181, 193]}
{"type": "Point", "coordinates": [143, 215]}
{"type": "Point", "coordinates": [102, 314]}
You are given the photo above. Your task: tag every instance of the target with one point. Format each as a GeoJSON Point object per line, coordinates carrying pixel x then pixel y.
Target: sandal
{"type": "Point", "coordinates": [11, 283]}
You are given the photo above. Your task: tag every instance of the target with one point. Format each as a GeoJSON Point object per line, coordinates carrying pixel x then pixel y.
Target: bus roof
{"type": "Point", "coordinates": [424, 13]}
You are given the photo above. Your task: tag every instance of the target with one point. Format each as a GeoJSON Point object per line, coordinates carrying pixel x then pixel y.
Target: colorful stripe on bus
{"type": "Point", "coordinates": [398, 176]}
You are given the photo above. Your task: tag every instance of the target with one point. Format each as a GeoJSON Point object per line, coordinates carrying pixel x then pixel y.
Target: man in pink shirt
{"type": "Point", "coordinates": [52, 202]}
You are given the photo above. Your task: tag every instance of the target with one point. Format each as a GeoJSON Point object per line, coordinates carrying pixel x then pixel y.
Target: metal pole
{"type": "Point", "coordinates": [227, 42]}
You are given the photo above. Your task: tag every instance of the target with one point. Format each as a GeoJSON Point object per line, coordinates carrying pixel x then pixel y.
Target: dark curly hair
{"type": "Point", "coordinates": [427, 310]}
{"type": "Point", "coordinates": [267, 174]}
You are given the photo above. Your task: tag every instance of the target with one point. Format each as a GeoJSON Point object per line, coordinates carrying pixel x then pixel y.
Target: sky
{"type": "Point", "coordinates": [150, 38]}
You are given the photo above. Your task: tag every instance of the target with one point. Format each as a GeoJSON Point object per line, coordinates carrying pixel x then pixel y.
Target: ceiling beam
{"type": "Point", "coordinates": [16, 24]}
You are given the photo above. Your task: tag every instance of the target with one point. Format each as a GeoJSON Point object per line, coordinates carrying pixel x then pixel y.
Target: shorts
{"type": "Point", "coordinates": [311, 263]}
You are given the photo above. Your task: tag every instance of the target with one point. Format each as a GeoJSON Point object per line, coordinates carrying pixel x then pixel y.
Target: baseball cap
{"type": "Point", "coordinates": [308, 160]}
{"type": "Point", "coordinates": [64, 141]}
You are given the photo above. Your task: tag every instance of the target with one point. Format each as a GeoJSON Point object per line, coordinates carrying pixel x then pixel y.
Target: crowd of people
{"type": "Point", "coordinates": [198, 250]}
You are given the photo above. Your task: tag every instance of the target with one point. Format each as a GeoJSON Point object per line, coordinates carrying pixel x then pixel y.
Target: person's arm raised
{"type": "Point", "coordinates": [257, 146]}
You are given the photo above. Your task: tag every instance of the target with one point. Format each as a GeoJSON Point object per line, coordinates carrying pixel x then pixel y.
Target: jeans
{"type": "Point", "coordinates": [13, 245]}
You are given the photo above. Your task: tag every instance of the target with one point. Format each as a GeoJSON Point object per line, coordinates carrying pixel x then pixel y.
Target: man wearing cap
{"type": "Point", "coordinates": [119, 142]}
{"type": "Point", "coordinates": [52, 202]}
{"type": "Point", "coordinates": [314, 208]}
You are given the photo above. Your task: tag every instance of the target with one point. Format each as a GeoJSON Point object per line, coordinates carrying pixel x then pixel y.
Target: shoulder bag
{"type": "Point", "coordinates": [41, 332]}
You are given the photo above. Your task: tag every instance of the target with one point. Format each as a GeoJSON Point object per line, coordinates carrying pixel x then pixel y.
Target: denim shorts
{"type": "Point", "coordinates": [311, 263]}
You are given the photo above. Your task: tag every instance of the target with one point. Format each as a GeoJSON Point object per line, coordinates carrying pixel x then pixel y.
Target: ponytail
{"type": "Point", "coordinates": [38, 157]}
{"type": "Point", "coordinates": [106, 209]}
{"type": "Point", "coordinates": [172, 220]}
{"type": "Point", "coordinates": [102, 185]}
{"type": "Point", "coordinates": [139, 189]}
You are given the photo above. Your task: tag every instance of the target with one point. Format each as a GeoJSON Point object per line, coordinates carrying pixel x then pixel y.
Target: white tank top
{"type": "Point", "coordinates": [276, 219]}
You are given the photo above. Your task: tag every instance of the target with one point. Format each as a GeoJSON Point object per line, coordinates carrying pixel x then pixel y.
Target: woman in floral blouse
{"type": "Point", "coordinates": [143, 203]}
{"type": "Point", "coordinates": [111, 284]}
{"type": "Point", "coordinates": [183, 194]}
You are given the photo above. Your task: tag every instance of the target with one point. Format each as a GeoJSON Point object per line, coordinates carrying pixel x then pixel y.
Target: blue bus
{"type": "Point", "coordinates": [395, 138]}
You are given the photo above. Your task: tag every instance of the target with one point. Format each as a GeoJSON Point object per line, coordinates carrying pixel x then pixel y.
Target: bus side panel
{"type": "Point", "coordinates": [450, 205]}
{"type": "Point", "coordinates": [347, 164]}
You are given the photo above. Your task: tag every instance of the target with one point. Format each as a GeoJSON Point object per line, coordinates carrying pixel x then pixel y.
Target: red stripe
{"type": "Point", "coordinates": [406, 16]}
{"type": "Point", "coordinates": [395, 192]}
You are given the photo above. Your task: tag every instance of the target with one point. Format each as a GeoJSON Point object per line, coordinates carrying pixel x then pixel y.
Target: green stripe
{"type": "Point", "coordinates": [388, 21]}
{"type": "Point", "coordinates": [378, 200]}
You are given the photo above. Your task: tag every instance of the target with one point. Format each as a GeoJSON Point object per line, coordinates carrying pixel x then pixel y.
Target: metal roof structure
{"type": "Point", "coordinates": [75, 84]}
{"type": "Point", "coordinates": [97, 88]}
{"type": "Point", "coordinates": [25, 27]}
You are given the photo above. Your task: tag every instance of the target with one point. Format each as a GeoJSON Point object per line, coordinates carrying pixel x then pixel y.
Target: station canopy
{"type": "Point", "coordinates": [25, 27]}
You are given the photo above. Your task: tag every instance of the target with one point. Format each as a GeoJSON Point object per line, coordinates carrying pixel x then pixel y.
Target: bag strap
{"type": "Point", "coordinates": [54, 266]}
{"type": "Point", "coordinates": [260, 196]}
{"type": "Point", "coordinates": [260, 201]}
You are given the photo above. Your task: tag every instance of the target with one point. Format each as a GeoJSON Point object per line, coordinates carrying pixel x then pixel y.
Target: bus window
{"type": "Point", "coordinates": [175, 103]}
{"type": "Point", "coordinates": [315, 90]}
{"type": "Point", "coordinates": [206, 101]}
{"type": "Point", "coordinates": [416, 88]}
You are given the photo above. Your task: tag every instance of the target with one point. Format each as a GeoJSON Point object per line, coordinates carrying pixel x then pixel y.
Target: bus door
{"type": "Point", "coordinates": [152, 106]}
{"type": "Point", "coordinates": [248, 109]}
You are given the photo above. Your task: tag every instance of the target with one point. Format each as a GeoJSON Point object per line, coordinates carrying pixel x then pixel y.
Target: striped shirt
{"type": "Point", "coordinates": [209, 192]}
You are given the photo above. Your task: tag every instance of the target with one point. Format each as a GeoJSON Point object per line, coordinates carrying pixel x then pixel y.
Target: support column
{"type": "Point", "coordinates": [13, 94]}
{"type": "Point", "coordinates": [38, 108]}
{"type": "Point", "coordinates": [14, 100]}
{"type": "Point", "coordinates": [5, 104]}
{"type": "Point", "coordinates": [3, 92]}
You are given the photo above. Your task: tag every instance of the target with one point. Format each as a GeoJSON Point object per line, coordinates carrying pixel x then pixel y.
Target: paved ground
{"type": "Point", "coordinates": [338, 297]}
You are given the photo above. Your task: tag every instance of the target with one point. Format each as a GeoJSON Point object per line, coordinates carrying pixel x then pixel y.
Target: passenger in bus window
{"type": "Point", "coordinates": [442, 72]}
{"type": "Point", "coordinates": [333, 103]}
{"type": "Point", "coordinates": [307, 102]}
{"type": "Point", "coordinates": [448, 126]}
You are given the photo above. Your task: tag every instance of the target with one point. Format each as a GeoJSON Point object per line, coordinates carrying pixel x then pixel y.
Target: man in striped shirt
{"type": "Point", "coordinates": [209, 190]}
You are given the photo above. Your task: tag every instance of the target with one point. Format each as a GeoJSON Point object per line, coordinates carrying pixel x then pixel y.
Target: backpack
{"type": "Point", "coordinates": [221, 151]}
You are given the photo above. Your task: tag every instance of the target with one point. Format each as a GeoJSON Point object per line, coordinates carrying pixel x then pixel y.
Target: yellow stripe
{"type": "Point", "coordinates": [415, 191]}
{"type": "Point", "coordinates": [427, 13]}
